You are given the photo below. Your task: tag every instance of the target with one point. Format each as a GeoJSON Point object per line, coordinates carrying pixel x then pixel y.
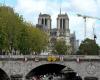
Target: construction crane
{"type": "Point", "coordinates": [85, 17]}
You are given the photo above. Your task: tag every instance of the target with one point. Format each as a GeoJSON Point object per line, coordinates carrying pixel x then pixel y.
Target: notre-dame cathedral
{"type": "Point", "coordinates": [61, 32]}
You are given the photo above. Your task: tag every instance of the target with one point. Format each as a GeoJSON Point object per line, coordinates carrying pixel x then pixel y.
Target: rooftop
{"type": "Point", "coordinates": [44, 15]}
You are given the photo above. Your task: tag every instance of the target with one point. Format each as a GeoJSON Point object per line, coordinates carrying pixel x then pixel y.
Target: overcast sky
{"type": "Point", "coordinates": [30, 9]}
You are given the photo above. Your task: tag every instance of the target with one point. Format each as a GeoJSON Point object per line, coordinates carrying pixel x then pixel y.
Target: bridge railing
{"type": "Point", "coordinates": [45, 56]}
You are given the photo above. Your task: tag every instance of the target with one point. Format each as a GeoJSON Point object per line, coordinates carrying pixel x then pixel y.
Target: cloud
{"type": "Point", "coordinates": [30, 9]}
{"type": "Point", "coordinates": [30, 6]}
{"type": "Point", "coordinates": [76, 25]}
{"type": "Point", "coordinates": [85, 6]}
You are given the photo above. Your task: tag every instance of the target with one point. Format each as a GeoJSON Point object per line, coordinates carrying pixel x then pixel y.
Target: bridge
{"type": "Point", "coordinates": [19, 67]}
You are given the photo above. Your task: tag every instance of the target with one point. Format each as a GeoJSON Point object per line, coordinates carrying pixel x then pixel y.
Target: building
{"type": "Point", "coordinates": [74, 43]}
{"type": "Point", "coordinates": [62, 31]}
{"type": "Point", "coordinates": [44, 22]}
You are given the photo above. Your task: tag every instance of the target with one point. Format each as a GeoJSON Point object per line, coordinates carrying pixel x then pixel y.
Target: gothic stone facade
{"type": "Point", "coordinates": [61, 32]}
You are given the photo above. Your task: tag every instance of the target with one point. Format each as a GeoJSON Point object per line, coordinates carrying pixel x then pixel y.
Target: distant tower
{"type": "Point", "coordinates": [63, 31]}
{"type": "Point", "coordinates": [74, 43]}
{"type": "Point", "coordinates": [45, 21]}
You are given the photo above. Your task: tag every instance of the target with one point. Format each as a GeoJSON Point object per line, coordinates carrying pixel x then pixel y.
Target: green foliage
{"type": "Point", "coordinates": [60, 48]}
{"type": "Point", "coordinates": [88, 47]}
{"type": "Point", "coordinates": [39, 40]}
{"type": "Point", "coordinates": [3, 40]}
{"type": "Point", "coordinates": [23, 40]}
{"type": "Point", "coordinates": [31, 40]}
{"type": "Point", "coordinates": [19, 35]}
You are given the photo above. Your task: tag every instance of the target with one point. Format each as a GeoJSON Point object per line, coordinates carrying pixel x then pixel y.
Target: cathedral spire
{"type": "Point", "coordinates": [60, 6]}
{"type": "Point", "coordinates": [4, 2]}
{"type": "Point", "coordinates": [60, 10]}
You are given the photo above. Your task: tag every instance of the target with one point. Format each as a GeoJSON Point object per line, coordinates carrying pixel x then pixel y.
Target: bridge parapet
{"type": "Point", "coordinates": [44, 57]}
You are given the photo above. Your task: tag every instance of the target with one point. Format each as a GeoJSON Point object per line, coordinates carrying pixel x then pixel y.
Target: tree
{"type": "Point", "coordinates": [88, 47]}
{"type": "Point", "coordinates": [32, 39]}
{"type": "Point", "coordinates": [3, 40]}
{"type": "Point", "coordinates": [60, 48]}
{"type": "Point", "coordinates": [10, 23]}
{"type": "Point", "coordinates": [17, 34]}
{"type": "Point", "coordinates": [23, 41]}
{"type": "Point", "coordinates": [39, 40]}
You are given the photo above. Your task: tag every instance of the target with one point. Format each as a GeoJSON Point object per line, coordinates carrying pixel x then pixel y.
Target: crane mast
{"type": "Point", "coordinates": [94, 35]}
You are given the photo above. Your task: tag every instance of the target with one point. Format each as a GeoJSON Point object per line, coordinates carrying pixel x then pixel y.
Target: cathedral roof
{"type": "Point", "coordinates": [63, 15]}
{"type": "Point", "coordinates": [44, 15]}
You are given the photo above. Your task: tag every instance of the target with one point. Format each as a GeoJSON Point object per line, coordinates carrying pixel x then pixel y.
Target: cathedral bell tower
{"type": "Point", "coordinates": [63, 31]}
{"type": "Point", "coordinates": [45, 21]}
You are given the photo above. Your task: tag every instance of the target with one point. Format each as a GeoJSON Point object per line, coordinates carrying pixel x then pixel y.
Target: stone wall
{"type": "Point", "coordinates": [83, 65]}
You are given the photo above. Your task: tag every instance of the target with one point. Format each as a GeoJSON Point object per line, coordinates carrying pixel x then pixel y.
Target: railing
{"type": "Point", "coordinates": [45, 56]}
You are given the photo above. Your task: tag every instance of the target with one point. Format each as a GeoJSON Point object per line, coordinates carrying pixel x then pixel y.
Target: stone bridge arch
{"type": "Point", "coordinates": [3, 75]}
{"type": "Point", "coordinates": [49, 68]}
{"type": "Point", "coordinates": [31, 65]}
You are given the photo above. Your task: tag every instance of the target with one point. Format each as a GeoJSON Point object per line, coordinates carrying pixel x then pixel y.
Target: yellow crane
{"type": "Point", "coordinates": [85, 17]}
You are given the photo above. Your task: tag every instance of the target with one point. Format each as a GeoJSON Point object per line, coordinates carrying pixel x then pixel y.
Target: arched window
{"type": "Point", "coordinates": [64, 24]}
{"type": "Point", "coordinates": [60, 23]}
{"type": "Point", "coordinates": [42, 21]}
{"type": "Point", "coordinates": [45, 22]}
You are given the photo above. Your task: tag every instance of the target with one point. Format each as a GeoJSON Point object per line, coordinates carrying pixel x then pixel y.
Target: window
{"type": "Point", "coordinates": [63, 24]}
{"type": "Point", "coordinates": [45, 22]}
{"type": "Point", "coordinates": [60, 23]}
{"type": "Point", "coordinates": [42, 21]}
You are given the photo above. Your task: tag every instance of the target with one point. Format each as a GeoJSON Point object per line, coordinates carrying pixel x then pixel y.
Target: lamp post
{"type": "Point", "coordinates": [11, 47]}
{"type": "Point", "coordinates": [10, 53]}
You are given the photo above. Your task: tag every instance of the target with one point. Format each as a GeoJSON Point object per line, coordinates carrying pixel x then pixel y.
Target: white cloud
{"type": "Point", "coordinates": [30, 6]}
{"type": "Point", "coordinates": [85, 6]}
{"type": "Point", "coordinates": [76, 24]}
{"type": "Point", "coordinates": [30, 9]}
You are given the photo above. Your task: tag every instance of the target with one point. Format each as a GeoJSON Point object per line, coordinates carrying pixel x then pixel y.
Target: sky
{"type": "Point", "coordinates": [30, 10]}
